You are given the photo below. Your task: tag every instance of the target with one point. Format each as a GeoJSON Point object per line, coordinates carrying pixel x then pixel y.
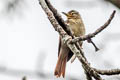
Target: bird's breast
{"type": "Point", "coordinates": [77, 27]}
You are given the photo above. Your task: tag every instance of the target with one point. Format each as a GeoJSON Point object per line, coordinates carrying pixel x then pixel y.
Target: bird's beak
{"type": "Point", "coordinates": [65, 13]}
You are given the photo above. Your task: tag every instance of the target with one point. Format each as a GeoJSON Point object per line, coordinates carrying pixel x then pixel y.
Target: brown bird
{"type": "Point", "coordinates": [75, 23]}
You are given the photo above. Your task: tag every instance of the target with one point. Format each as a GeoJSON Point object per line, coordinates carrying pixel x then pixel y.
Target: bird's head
{"type": "Point", "coordinates": [72, 14]}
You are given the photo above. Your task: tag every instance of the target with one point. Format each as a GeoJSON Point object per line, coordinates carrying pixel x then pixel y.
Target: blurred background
{"type": "Point", "coordinates": [29, 44]}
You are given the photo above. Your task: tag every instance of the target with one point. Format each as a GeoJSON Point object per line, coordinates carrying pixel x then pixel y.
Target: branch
{"type": "Point", "coordinates": [88, 76]}
{"type": "Point", "coordinates": [90, 41]}
{"type": "Point", "coordinates": [83, 61]}
{"type": "Point", "coordinates": [86, 37]}
{"type": "Point", "coordinates": [108, 72]}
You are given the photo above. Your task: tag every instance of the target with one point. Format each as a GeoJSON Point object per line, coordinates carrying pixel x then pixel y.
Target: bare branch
{"type": "Point", "coordinates": [88, 76]}
{"type": "Point", "coordinates": [86, 66]}
{"type": "Point", "coordinates": [108, 72]}
{"type": "Point", "coordinates": [90, 41]}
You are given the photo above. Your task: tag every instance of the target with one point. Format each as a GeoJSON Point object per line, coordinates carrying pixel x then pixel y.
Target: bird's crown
{"type": "Point", "coordinates": [73, 14]}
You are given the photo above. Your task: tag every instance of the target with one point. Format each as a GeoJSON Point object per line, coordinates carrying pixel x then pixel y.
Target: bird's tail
{"type": "Point", "coordinates": [61, 65]}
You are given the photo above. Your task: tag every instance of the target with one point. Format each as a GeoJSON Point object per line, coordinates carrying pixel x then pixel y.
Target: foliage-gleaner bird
{"type": "Point", "coordinates": [75, 23]}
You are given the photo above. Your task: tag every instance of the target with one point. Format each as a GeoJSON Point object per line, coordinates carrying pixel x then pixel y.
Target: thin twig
{"type": "Point", "coordinates": [90, 41]}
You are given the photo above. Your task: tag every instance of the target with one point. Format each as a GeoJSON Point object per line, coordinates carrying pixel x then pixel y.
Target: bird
{"type": "Point", "coordinates": [76, 25]}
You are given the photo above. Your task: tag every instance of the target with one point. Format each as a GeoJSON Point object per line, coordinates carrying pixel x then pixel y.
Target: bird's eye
{"type": "Point", "coordinates": [73, 13]}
